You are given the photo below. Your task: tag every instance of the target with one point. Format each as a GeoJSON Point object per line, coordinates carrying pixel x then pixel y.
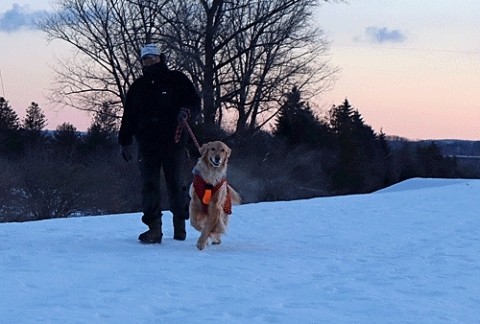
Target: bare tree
{"type": "Point", "coordinates": [106, 36]}
{"type": "Point", "coordinates": [242, 55]}
{"type": "Point", "coordinates": [247, 54]}
{"type": "Point", "coordinates": [276, 50]}
{"type": "Point", "coordinates": [52, 187]}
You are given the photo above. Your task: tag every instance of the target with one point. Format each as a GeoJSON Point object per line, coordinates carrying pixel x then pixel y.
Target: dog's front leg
{"type": "Point", "coordinates": [202, 240]}
{"type": "Point", "coordinates": [211, 223]}
{"type": "Point", "coordinates": [205, 233]}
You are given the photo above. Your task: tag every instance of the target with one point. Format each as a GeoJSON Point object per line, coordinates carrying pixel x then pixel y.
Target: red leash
{"type": "Point", "coordinates": [178, 133]}
{"type": "Point", "coordinates": [185, 124]}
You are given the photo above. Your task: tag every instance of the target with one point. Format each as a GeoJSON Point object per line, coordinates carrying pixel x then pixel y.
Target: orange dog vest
{"type": "Point", "coordinates": [205, 191]}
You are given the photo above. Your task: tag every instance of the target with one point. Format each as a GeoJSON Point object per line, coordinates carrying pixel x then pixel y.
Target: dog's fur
{"type": "Point", "coordinates": [212, 167]}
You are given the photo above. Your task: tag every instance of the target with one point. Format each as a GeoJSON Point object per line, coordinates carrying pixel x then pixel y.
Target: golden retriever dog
{"type": "Point", "coordinates": [211, 196]}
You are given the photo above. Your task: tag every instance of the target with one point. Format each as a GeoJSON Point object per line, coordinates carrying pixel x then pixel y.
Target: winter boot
{"type": "Point", "coordinates": [154, 233]}
{"type": "Point", "coordinates": [179, 232]}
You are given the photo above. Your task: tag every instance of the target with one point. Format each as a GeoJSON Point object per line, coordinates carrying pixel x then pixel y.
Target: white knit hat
{"type": "Point", "coordinates": [149, 49]}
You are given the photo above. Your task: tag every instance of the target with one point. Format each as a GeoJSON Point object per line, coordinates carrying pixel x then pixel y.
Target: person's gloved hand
{"type": "Point", "coordinates": [182, 115]}
{"type": "Point", "coordinates": [127, 152]}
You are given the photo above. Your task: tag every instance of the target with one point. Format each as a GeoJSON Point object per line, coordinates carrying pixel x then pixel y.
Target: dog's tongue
{"type": "Point", "coordinates": [215, 162]}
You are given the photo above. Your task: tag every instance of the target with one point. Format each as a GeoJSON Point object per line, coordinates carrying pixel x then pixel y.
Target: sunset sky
{"type": "Point", "coordinates": [411, 68]}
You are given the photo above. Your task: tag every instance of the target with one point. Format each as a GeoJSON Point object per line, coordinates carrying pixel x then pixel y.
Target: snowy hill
{"type": "Point", "coordinates": [407, 254]}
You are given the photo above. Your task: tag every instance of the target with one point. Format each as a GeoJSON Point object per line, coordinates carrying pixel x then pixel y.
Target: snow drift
{"type": "Point", "coordinates": [406, 254]}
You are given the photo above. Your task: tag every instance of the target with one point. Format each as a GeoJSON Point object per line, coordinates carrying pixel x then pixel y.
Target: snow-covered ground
{"type": "Point", "coordinates": [406, 254]}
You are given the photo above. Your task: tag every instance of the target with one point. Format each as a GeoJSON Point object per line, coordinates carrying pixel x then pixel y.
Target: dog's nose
{"type": "Point", "coordinates": [217, 158]}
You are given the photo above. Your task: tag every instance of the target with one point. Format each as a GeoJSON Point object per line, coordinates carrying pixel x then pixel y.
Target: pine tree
{"type": "Point", "coordinates": [341, 119]}
{"type": "Point", "coordinates": [105, 120]}
{"type": "Point", "coordinates": [10, 137]}
{"type": "Point", "coordinates": [361, 155]}
{"type": "Point", "coordinates": [103, 128]}
{"type": "Point", "coordinates": [383, 144]}
{"type": "Point", "coordinates": [35, 120]}
{"type": "Point", "coordinates": [288, 117]}
{"type": "Point", "coordinates": [8, 117]}
{"type": "Point", "coordinates": [33, 124]}
{"type": "Point", "coordinates": [297, 123]}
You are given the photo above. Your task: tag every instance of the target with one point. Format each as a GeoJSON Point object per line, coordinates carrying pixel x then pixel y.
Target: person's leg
{"type": "Point", "coordinates": [173, 165]}
{"type": "Point", "coordinates": [152, 213]}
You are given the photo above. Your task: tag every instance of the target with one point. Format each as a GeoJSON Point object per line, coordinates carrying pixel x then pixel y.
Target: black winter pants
{"type": "Point", "coordinates": [172, 162]}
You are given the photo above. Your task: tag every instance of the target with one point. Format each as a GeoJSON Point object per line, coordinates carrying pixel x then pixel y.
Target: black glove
{"type": "Point", "coordinates": [127, 152]}
{"type": "Point", "coordinates": [183, 115]}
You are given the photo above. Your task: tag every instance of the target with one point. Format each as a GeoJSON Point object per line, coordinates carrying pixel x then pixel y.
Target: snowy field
{"type": "Point", "coordinates": [406, 254]}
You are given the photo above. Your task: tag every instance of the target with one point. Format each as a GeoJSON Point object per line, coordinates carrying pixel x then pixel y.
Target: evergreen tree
{"type": "Point", "coordinates": [345, 174]}
{"type": "Point", "coordinates": [102, 131]}
{"type": "Point", "coordinates": [35, 120]}
{"type": "Point", "coordinates": [297, 123]}
{"type": "Point", "coordinates": [383, 143]}
{"type": "Point", "coordinates": [341, 119]}
{"type": "Point", "coordinates": [10, 139]}
{"type": "Point", "coordinates": [105, 120]}
{"type": "Point", "coordinates": [362, 156]}
{"type": "Point", "coordinates": [8, 117]}
{"type": "Point", "coordinates": [33, 124]}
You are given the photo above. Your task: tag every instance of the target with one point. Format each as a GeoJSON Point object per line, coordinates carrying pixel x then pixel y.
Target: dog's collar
{"type": "Point", "coordinates": [198, 174]}
{"type": "Point", "coordinates": [201, 183]}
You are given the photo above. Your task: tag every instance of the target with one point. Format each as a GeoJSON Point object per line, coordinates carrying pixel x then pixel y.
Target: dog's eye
{"type": "Point", "coordinates": [213, 149]}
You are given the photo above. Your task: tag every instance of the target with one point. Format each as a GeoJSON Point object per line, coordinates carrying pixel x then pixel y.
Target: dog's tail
{"type": "Point", "coordinates": [236, 199]}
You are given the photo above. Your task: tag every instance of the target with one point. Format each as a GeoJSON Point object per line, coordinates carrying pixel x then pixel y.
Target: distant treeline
{"type": "Point", "coordinates": [66, 173]}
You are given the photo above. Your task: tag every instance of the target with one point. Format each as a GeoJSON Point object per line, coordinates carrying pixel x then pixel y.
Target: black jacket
{"type": "Point", "coordinates": [152, 105]}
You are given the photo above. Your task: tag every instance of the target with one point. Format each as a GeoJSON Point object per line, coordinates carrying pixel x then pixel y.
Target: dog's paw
{"type": "Point", "coordinates": [216, 240]}
{"type": "Point", "coordinates": [201, 245]}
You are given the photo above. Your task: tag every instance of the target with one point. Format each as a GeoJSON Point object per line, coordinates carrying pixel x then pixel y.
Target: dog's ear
{"type": "Point", "coordinates": [228, 151]}
{"type": "Point", "coordinates": [203, 149]}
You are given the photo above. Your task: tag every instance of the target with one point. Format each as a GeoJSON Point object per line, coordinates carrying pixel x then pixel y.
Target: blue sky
{"type": "Point", "coordinates": [412, 68]}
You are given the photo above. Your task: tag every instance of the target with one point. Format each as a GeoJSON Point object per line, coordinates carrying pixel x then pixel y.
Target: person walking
{"type": "Point", "coordinates": [156, 106]}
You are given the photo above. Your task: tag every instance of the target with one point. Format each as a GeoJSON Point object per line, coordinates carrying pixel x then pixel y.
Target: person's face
{"type": "Point", "coordinates": [150, 59]}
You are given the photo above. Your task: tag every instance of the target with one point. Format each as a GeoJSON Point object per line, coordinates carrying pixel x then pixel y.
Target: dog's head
{"type": "Point", "coordinates": [215, 154]}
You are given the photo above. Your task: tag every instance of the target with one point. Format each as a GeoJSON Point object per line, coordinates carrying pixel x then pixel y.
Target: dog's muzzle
{"type": "Point", "coordinates": [215, 161]}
